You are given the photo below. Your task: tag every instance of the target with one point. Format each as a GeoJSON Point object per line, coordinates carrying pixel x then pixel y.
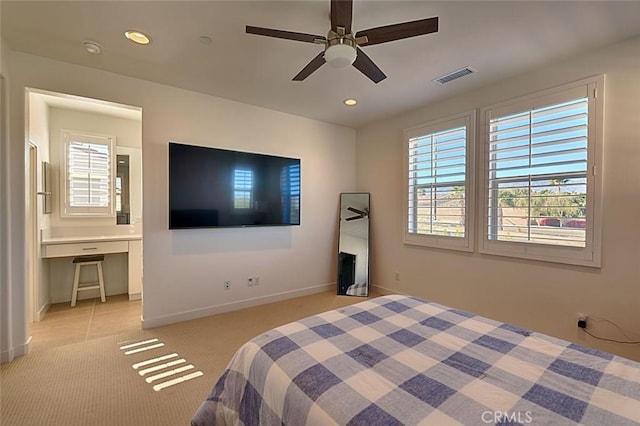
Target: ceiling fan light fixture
{"type": "Point", "coordinates": [340, 55]}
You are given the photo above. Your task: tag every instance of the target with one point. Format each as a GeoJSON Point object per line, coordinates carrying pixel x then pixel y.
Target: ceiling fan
{"type": "Point", "coordinates": [361, 214]}
{"type": "Point", "coordinates": [342, 47]}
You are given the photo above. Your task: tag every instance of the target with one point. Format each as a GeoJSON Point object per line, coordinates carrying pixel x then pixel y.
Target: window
{"type": "Point", "coordinates": [541, 155]}
{"type": "Point", "coordinates": [88, 188]}
{"type": "Point", "coordinates": [242, 189]}
{"type": "Point", "coordinates": [439, 191]}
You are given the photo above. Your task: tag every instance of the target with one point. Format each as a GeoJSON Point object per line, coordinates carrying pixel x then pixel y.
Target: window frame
{"type": "Point", "coordinates": [467, 242]}
{"type": "Point", "coordinates": [590, 255]}
{"type": "Point", "coordinates": [69, 211]}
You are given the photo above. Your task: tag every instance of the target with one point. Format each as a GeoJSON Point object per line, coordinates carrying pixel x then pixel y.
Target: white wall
{"type": "Point", "coordinates": [538, 295]}
{"type": "Point", "coordinates": [128, 133]}
{"type": "Point", "coordinates": [8, 349]}
{"type": "Point", "coordinates": [184, 270]}
{"type": "Point", "coordinates": [39, 136]}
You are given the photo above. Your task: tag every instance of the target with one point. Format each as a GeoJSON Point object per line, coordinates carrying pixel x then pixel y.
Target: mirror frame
{"type": "Point", "coordinates": [46, 188]}
{"type": "Point", "coordinates": [360, 289]}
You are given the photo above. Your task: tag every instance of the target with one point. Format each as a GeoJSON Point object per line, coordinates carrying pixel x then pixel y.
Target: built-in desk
{"type": "Point", "coordinates": [80, 246]}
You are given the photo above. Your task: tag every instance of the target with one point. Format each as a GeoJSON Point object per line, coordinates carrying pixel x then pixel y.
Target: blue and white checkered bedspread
{"type": "Point", "coordinates": [398, 360]}
{"type": "Point", "coordinates": [359, 289]}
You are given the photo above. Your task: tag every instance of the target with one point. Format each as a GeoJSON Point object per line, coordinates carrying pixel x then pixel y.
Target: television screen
{"type": "Point", "coordinates": [211, 187]}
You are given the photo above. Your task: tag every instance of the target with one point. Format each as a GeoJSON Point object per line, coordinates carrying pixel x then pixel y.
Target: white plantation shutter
{"type": "Point", "coordinates": [88, 174]}
{"type": "Point", "coordinates": [437, 183]}
{"type": "Point", "coordinates": [537, 175]}
{"type": "Point", "coordinates": [541, 190]}
{"type": "Point", "coordinates": [439, 157]}
{"type": "Point", "coordinates": [88, 171]}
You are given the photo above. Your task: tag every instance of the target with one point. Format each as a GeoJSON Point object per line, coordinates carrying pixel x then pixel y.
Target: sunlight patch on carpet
{"type": "Point", "coordinates": [161, 366]}
{"type": "Point", "coordinates": [177, 380]}
{"type": "Point", "coordinates": [153, 360]}
{"type": "Point", "coordinates": [133, 345]}
{"type": "Point", "coordinates": [157, 365]}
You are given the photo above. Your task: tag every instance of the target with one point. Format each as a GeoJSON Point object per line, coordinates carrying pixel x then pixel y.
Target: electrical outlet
{"type": "Point", "coordinates": [227, 285]}
{"type": "Point", "coordinates": [250, 282]}
{"type": "Point", "coordinates": [582, 320]}
{"type": "Point", "coordinates": [397, 276]}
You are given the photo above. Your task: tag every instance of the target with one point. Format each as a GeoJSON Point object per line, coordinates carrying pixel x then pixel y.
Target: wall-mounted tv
{"type": "Point", "coordinates": [211, 187]}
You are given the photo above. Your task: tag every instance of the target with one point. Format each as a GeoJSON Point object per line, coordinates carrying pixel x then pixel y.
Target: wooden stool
{"type": "Point", "coordinates": [81, 261]}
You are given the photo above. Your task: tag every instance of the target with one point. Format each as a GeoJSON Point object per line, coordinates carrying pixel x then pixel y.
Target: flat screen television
{"type": "Point", "coordinates": [211, 187]}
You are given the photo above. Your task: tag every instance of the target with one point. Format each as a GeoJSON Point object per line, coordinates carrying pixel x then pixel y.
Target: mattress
{"type": "Point", "coordinates": [399, 360]}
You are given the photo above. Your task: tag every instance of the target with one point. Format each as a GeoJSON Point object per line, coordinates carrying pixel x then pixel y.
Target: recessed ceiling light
{"type": "Point", "coordinates": [205, 40]}
{"type": "Point", "coordinates": [92, 46]}
{"type": "Point", "coordinates": [137, 37]}
{"type": "Point", "coordinates": [350, 102]}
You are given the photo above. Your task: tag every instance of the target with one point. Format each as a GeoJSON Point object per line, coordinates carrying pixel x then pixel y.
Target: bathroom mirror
{"type": "Point", "coordinates": [123, 209]}
{"type": "Point", "coordinates": [128, 184]}
{"type": "Point", "coordinates": [353, 245]}
{"type": "Point", "coordinates": [46, 187]}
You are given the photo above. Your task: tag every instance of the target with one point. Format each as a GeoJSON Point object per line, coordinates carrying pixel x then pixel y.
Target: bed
{"type": "Point", "coordinates": [399, 360]}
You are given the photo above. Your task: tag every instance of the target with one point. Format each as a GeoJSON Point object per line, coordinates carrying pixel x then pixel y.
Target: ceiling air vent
{"type": "Point", "coordinates": [455, 75]}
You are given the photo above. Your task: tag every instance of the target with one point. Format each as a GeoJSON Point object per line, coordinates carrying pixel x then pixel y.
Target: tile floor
{"type": "Point", "coordinates": [89, 319]}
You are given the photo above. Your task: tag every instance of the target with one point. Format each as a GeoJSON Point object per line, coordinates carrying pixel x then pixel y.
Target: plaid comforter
{"type": "Point", "coordinates": [398, 360]}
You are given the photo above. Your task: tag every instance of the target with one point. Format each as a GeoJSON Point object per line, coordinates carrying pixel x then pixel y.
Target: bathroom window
{"type": "Point", "coordinates": [88, 183]}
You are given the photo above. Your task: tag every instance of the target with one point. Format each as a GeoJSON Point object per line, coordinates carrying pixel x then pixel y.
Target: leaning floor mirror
{"type": "Point", "coordinates": [353, 245]}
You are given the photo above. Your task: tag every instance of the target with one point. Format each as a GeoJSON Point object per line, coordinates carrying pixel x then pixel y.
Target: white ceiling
{"type": "Point", "coordinates": [498, 39]}
{"type": "Point", "coordinates": [65, 101]}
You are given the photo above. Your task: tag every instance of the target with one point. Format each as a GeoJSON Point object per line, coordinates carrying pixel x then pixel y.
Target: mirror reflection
{"type": "Point", "coordinates": [353, 246]}
{"type": "Point", "coordinates": [128, 185]}
{"type": "Point", "coordinates": [123, 210]}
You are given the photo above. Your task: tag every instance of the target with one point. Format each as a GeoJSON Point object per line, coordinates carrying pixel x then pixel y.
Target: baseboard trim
{"type": "Point", "coordinates": [7, 356]}
{"type": "Point", "coordinates": [42, 311]}
{"type": "Point", "coordinates": [233, 306]}
{"type": "Point", "coordinates": [20, 350]}
{"type": "Point", "coordinates": [384, 290]}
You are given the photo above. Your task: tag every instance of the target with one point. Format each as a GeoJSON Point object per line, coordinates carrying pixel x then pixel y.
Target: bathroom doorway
{"type": "Point", "coordinates": [50, 280]}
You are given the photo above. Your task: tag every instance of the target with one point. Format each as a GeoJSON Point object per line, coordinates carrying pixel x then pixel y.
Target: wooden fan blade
{"type": "Point", "coordinates": [288, 35]}
{"type": "Point", "coordinates": [341, 11]}
{"type": "Point", "coordinates": [315, 63]}
{"type": "Point", "coordinates": [366, 66]}
{"type": "Point", "coordinates": [398, 31]}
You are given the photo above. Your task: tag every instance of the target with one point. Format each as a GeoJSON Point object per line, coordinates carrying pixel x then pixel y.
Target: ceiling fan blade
{"type": "Point", "coordinates": [398, 31]}
{"type": "Point", "coordinates": [288, 35]}
{"type": "Point", "coordinates": [341, 15]}
{"type": "Point", "coordinates": [360, 212]}
{"type": "Point", "coordinates": [366, 66]}
{"type": "Point", "coordinates": [315, 63]}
